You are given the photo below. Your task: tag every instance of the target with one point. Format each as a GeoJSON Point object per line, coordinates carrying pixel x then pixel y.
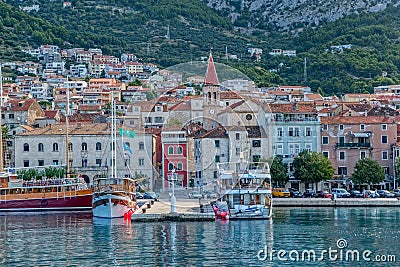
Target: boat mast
{"type": "Point", "coordinates": [113, 139]}
{"type": "Point", "coordinates": [1, 128]}
{"type": "Point", "coordinates": [66, 132]}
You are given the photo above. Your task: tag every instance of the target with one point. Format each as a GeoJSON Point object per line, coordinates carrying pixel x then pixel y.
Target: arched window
{"type": "Point", "coordinates": [55, 147]}
{"type": "Point", "coordinates": [179, 150]}
{"type": "Point", "coordinates": [40, 147]}
{"type": "Point", "coordinates": [70, 147]}
{"type": "Point", "coordinates": [141, 146]}
{"type": "Point", "coordinates": [180, 166]}
{"type": "Point", "coordinates": [170, 150]}
{"type": "Point", "coordinates": [98, 146]}
{"type": "Point", "coordinates": [26, 147]}
{"type": "Point", "coordinates": [170, 166]}
{"type": "Point", "coordinates": [84, 146]}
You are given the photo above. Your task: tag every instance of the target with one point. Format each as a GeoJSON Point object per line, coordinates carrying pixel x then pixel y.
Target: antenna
{"type": "Point", "coordinates": [305, 71]}
{"type": "Point", "coordinates": [167, 35]}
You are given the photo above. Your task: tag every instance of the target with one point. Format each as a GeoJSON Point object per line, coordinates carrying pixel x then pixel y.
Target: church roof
{"type": "Point", "coordinates": [211, 74]}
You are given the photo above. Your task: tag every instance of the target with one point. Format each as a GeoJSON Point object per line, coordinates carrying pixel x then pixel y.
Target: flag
{"type": "Point", "coordinates": [127, 148]}
{"type": "Point", "coordinates": [127, 133]}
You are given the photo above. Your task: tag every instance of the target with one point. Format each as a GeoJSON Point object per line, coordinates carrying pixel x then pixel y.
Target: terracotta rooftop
{"type": "Point", "coordinates": [50, 114]}
{"type": "Point", "coordinates": [357, 120]}
{"type": "Point", "coordinates": [211, 74]}
{"type": "Point", "coordinates": [298, 107]}
{"type": "Point", "coordinates": [182, 106]}
{"type": "Point", "coordinates": [219, 132]}
{"type": "Point", "coordinates": [19, 105]}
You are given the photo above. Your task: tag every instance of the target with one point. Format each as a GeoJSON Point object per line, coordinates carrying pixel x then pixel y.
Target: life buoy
{"type": "Point", "coordinates": [44, 203]}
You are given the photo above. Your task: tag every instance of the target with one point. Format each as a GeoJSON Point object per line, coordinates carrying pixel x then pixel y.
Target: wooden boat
{"type": "Point", "coordinates": [245, 191]}
{"type": "Point", "coordinates": [43, 195]}
{"type": "Point", "coordinates": [113, 196]}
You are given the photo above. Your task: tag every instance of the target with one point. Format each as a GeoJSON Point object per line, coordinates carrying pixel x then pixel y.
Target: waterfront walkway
{"type": "Point", "coordinates": [189, 209]}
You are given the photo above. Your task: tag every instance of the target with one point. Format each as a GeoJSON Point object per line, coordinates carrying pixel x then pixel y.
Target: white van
{"type": "Point", "coordinates": [340, 192]}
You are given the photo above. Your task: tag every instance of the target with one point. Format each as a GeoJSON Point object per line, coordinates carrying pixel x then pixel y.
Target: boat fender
{"type": "Point", "coordinates": [44, 203]}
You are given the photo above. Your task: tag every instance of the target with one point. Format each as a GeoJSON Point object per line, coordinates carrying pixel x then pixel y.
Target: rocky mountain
{"type": "Point", "coordinates": [293, 15]}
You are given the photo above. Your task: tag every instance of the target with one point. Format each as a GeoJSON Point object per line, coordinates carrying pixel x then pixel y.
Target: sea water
{"type": "Point", "coordinates": [294, 237]}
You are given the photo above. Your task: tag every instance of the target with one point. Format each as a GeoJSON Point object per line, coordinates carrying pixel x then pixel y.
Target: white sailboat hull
{"type": "Point", "coordinates": [112, 206]}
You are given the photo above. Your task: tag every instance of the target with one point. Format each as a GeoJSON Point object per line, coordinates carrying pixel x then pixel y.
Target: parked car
{"type": "Point", "coordinates": [324, 194]}
{"type": "Point", "coordinates": [385, 193]}
{"type": "Point", "coordinates": [150, 195]}
{"type": "Point", "coordinates": [280, 192]}
{"type": "Point", "coordinates": [396, 192]}
{"type": "Point", "coordinates": [356, 194]}
{"type": "Point", "coordinates": [194, 194]}
{"type": "Point", "coordinates": [139, 195]}
{"type": "Point", "coordinates": [371, 193]}
{"type": "Point", "coordinates": [309, 193]}
{"type": "Point", "coordinates": [340, 192]}
{"type": "Point", "coordinates": [295, 193]}
{"type": "Point", "coordinates": [210, 194]}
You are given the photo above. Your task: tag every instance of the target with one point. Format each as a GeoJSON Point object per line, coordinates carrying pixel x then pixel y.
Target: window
{"type": "Point", "coordinates": [11, 116]}
{"type": "Point", "coordinates": [170, 150]}
{"type": "Point", "coordinates": [141, 162]}
{"type": "Point", "coordinates": [237, 151]}
{"type": "Point", "coordinates": [55, 147]}
{"type": "Point", "coordinates": [40, 147]}
{"type": "Point", "coordinates": [98, 162]}
{"type": "Point", "coordinates": [216, 143]}
{"type": "Point", "coordinates": [384, 155]}
{"type": "Point", "coordinates": [26, 163]}
{"type": "Point", "coordinates": [296, 131]}
{"type": "Point", "coordinates": [384, 139]}
{"type": "Point", "coordinates": [237, 136]}
{"type": "Point", "coordinates": [291, 132]}
{"type": "Point", "coordinates": [326, 154]}
{"type": "Point", "coordinates": [342, 155]}
{"type": "Point", "coordinates": [217, 159]}
{"type": "Point", "coordinates": [170, 166]}
{"type": "Point", "coordinates": [363, 155]}
{"type": "Point", "coordinates": [325, 140]}
{"type": "Point", "coordinates": [84, 147]}
{"type": "Point", "coordinates": [308, 146]}
{"type": "Point", "coordinates": [256, 143]}
{"type": "Point", "coordinates": [256, 158]}
{"type": "Point", "coordinates": [55, 162]}
{"type": "Point", "coordinates": [26, 147]}
{"type": "Point", "coordinates": [341, 139]}
{"type": "Point", "coordinates": [341, 126]}
{"type": "Point", "coordinates": [386, 170]}
{"type": "Point", "coordinates": [179, 150]}
{"type": "Point", "coordinates": [279, 149]}
{"type": "Point", "coordinates": [141, 146]}
{"type": "Point", "coordinates": [308, 131]}
{"type": "Point", "coordinates": [280, 132]}
{"type": "Point", "coordinates": [40, 162]}
{"type": "Point", "coordinates": [294, 149]}
{"type": "Point", "coordinates": [342, 170]}
{"type": "Point", "coordinates": [84, 162]}
{"type": "Point", "coordinates": [362, 127]}
{"type": "Point", "coordinates": [384, 127]}
{"type": "Point", "coordinates": [98, 146]}
{"type": "Point", "coordinates": [325, 127]}
{"type": "Point", "coordinates": [70, 147]}
{"type": "Point", "coordinates": [180, 166]}
{"type": "Point", "coordinates": [249, 117]}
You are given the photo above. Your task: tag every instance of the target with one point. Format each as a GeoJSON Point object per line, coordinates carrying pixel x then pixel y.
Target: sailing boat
{"type": "Point", "coordinates": [113, 196]}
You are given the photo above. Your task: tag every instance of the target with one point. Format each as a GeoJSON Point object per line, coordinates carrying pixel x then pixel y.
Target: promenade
{"type": "Point", "coordinates": [189, 209]}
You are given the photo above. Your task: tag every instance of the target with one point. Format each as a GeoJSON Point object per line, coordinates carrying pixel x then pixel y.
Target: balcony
{"type": "Point", "coordinates": [353, 145]}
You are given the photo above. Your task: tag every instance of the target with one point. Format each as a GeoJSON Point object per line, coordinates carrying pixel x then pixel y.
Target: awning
{"type": "Point", "coordinates": [366, 135]}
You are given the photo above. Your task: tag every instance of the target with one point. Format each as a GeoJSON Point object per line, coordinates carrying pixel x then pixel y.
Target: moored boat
{"type": "Point", "coordinates": [113, 196]}
{"type": "Point", "coordinates": [43, 195]}
{"type": "Point", "coordinates": [245, 191]}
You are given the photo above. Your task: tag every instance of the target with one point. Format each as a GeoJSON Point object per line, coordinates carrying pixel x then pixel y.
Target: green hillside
{"type": "Point", "coordinates": [140, 27]}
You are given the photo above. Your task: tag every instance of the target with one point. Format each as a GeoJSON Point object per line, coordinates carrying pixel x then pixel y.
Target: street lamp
{"type": "Point", "coordinates": [173, 199]}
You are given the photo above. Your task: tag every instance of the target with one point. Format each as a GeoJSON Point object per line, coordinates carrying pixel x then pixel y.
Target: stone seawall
{"type": "Point", "coordinates": [341, 202]}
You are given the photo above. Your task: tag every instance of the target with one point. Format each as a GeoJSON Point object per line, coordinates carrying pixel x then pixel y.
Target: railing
{"type": "Point", "coordinates": [296, 119]}
{"type": "Point", "coordinates": [113, 187]}
{"type": "Point", "coordinates": [353, 145]}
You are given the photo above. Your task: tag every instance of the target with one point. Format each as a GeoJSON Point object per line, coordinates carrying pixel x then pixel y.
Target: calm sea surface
{"type": "Point", "coordinates": [77, 239]}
